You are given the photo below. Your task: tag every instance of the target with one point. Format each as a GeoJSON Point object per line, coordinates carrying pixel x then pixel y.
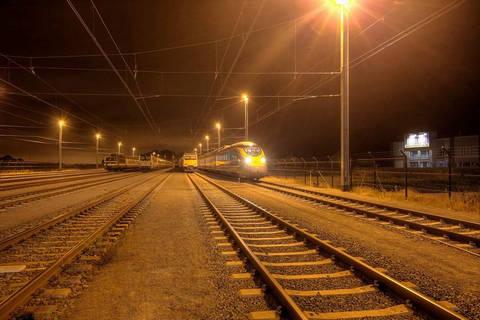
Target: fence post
{"type": "Point", "coordinates": [351, 173]}
{"type": "Point", "coordinates": [405, 169]}
{"type": "Point", "coordinates": [374, 170]}
{"type": "Point", "coordinates": [331, 170]}
{"type": "Point", "coordinates": [449, 155]}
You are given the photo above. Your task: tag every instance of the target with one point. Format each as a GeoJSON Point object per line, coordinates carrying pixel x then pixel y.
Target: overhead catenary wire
{"type": "Point", "coordinates": [374, 51]}
{"type": "Point", "coordinates": [43, 81]}
{"type": "Point", "coordinates": [219, 68]}
{"type": "Point", "coordinates": [124, 61]}
{"type": "Point", "coordinates": [100, 48]}
{"type": "Point", "coordinates": [171, 48]}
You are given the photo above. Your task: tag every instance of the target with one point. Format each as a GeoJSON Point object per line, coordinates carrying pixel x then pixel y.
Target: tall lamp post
{"type": "Point", "coordinates": [345, 170]}
{"type": "Point", "coordinates": [207, 138]}
{"type": "Point", "coordinates": [200, 146]}
{"type": "Point", "coordinates": [119, 147]}
{"type": "Point", "coordinates": [245, 101]}
{"type": "Point", "coordinates": [218, 126]}
{"type": "Point", "coordinates": [133, 151]}
{"type": "Point", "coordinates": [98, 136]}
{"type": "Point", "coordinates": [61, 123]}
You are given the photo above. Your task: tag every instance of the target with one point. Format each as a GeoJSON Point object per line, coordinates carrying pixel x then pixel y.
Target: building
{"type": "Point", "coordinates": [425, 150]}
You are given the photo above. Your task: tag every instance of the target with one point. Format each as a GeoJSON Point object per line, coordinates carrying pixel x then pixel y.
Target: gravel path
{"type": "Point", "coordinates": [167, 267]}
{"type": "Point", "coordinates": [434, 268]}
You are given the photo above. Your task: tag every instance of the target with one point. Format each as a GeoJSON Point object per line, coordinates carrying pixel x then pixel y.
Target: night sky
{"type": "Point", "coordinates": [194, 58]}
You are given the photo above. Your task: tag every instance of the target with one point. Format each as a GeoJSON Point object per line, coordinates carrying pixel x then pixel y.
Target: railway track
{"type": "Point", "coordinates": [25, 197]}
{"type": "Point", "coordinates": [7, 185]}
{"type": "Point", "coordinates": [29, 259]}
{"type": "Point", "coordinates": [459, 234]}
{"type": "Point", "coordinates": [309, 277]}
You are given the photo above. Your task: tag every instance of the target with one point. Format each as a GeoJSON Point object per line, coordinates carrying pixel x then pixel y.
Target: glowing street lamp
{"type": "Point", "coordinates": [207, 138]}
{"type": "Point", "coordinates": [133, 151]}
{"type": "Point", "coordinates": [245, 101]}
{"type": "Point", "coordinates": [98, 136]}
{"type": "Point", "coordinates": [218, 126]}
{"type": "Point", "coordinates": [200, 146]}
{"type": "Point", "coordinates": [119, 144]}
{"type": "Point", "coordinates": [61, 123]}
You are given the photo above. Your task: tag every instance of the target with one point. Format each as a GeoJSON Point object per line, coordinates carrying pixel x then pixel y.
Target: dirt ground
{"type": "Point", "coordinates": [162, 269]}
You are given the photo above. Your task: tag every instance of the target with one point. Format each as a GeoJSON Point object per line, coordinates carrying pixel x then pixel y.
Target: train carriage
{"type": "Point", "coordinates": [120, 162]}
{"type": "Point", "coordinates": [188, 162]}
{"type": "Point", "coordinates": [243, 159]}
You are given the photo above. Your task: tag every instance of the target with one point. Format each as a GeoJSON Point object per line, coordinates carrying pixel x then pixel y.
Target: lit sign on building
{"type": "Point", "coordinates": [417, 140]}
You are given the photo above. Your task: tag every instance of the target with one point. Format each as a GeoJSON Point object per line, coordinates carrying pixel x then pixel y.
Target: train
{"type": "Point", "coordinates": [243, 159]}
{"type": "Point", "coordinates": [188, 162]}
{"type": "Point", "coordinates": [144, 162]}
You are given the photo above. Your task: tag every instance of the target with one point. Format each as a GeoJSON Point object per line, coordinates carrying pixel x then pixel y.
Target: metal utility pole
{"type": "Point", "coordinates": [133, 152]}
{"type": "Point", "coordinates": [405, 170]}
{"type": "Point", "coordinates": [97, 136]}
{"type": "Point", "coordinates": [449, 155]}
{"type": "Point", "coordinates": [345, 99]}
{"type": "Point", "coordinates": [245, 100]}
{"type": "Point", "coordinates": [208, 140]}
{"type": "Point", "coordinates": [61, 123]}
{"type": "Point", "coordinates": [218, 126]}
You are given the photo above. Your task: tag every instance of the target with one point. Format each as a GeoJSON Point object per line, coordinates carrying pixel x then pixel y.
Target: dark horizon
{"type": "Point", "coordinates": [424, 82]}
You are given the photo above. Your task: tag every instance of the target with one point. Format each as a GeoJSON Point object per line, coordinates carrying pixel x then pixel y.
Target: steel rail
{"type": "Point", "coordinates": [423, 302]}
{"type": "Point", "coordinates": [20, 236]}
{"type": "Point", "coordinates": [6, 185]}
{"type": "Point", "coordinates": [12, 177]}
{"type": "Point", "coordinates": [277, 290]}
{"type": "Point", "coordinates": [398, 221]}
{"type": "Point", "coordinates": [30, 196]}
{"type": "Point", "coordinates": [21, 296]}
{"type": "Point", "coordinates": [385, 206]}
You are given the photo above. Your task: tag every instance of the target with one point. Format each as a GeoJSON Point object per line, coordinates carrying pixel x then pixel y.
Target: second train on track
{"type": "Point", "coordinates": [243, 159]}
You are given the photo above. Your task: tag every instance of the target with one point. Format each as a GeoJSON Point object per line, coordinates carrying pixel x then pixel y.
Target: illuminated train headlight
{"type": "Point", "coordinates": [263, 160]}
{"type": "Point", "coordinates": [248, 160]}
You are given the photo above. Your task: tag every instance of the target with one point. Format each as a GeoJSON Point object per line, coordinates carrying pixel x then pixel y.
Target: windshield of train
{"type": "Point", "coordinates": [253, 150]}
{"type": "Point", "coordinates": [190, 156]}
